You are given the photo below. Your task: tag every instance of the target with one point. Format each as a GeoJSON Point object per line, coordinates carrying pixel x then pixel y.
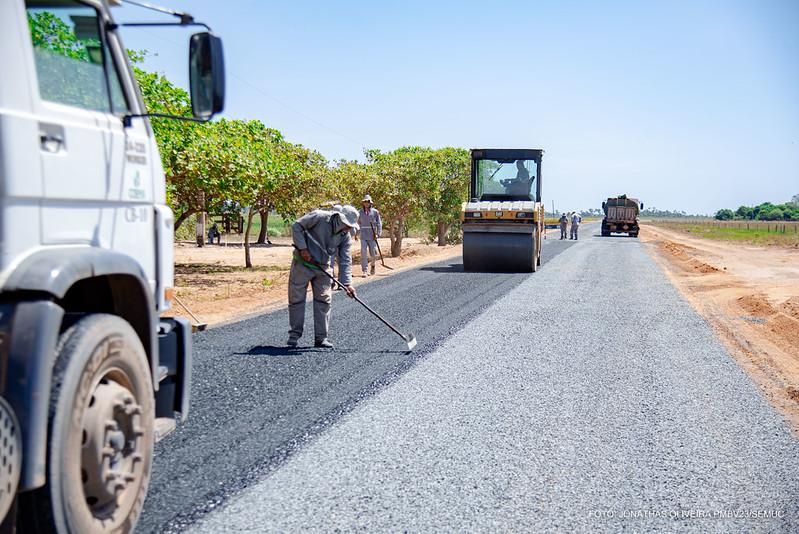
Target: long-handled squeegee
{"type": "Point", "coordinates": [374, 233]}
{"type": "Point", "coordinates": [408, 338]}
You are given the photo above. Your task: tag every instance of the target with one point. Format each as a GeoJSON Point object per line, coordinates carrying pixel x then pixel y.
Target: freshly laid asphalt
{"type": "Point", "coordinates": [590, 397]}
{"type": "Point", "coordinates": [255, 402]}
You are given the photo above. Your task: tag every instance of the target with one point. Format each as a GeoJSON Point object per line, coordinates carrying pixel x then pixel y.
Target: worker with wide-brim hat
{"type": "Point", "coordinates": [318, 237]}
{"type": "Point", "coordinates": [371, 227]}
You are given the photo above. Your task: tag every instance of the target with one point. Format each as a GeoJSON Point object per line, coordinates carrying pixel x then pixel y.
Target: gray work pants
{"type": "Point", "coordinates": [574, 231]}
{"type": "Point", "coordinates": [299, 278]}
{"type": "Point", "coordinates": [370, 246]}
{"type": "Point", "coordinates": [563, 231]}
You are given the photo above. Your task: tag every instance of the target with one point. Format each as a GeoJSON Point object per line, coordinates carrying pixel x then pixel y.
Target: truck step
{"type": "Point", "coordinates": [163, 427]}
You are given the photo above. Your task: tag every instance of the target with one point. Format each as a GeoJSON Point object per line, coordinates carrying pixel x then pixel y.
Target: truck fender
{"type": "Point", "coordinates": [29, 333]}
{"type": "Point", "coordinates": [42, 281]}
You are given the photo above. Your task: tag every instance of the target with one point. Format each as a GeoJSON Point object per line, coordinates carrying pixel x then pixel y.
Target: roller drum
{"type": "Point", "coordinates": [496, 251]}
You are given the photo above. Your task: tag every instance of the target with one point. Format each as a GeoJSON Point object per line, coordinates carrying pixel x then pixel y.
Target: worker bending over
{"type": "Point", "coordinates": [564, 223]}
{"type": "Point", "coordinates": [371, 226]}
{"type": "Point", "coordinates": [318, 237]}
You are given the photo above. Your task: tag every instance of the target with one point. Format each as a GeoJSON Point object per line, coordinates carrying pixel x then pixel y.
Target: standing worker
{"type": "Point", "coordinates": [318, 237]}
{"type": "Point", "coordinates": [576, 220]}
{"type": "Point", "coordinates": [369, 222]}
{"type": "Point", "coordinates": [564, 222]}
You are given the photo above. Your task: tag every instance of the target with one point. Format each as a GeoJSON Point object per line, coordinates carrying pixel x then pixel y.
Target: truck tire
{"type": "Point", "coordinates": [100, 441]}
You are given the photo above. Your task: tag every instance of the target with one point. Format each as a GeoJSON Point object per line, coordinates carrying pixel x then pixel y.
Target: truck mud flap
{"type": "Point", "coordinates": [174, 372]}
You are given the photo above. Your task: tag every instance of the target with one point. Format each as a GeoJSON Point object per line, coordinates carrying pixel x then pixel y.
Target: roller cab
{"type": "Point", "coordinates": [504, 219]}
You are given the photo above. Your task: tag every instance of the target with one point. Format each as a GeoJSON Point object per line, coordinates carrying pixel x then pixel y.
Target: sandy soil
{"type": "Point", "coordinates": [213, 283]}
{"type": "Point", "coordinates": [750, 295]}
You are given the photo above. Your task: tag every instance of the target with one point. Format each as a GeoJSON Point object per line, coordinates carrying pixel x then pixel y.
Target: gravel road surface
{"type": "Point", "coordinates": [255, 402]}
{"type": "Point", "coordinates": [589, 396]}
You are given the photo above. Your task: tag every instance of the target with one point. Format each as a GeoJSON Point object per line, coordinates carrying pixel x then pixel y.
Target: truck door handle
{"type": "Point", "coordinates": [51, 138]}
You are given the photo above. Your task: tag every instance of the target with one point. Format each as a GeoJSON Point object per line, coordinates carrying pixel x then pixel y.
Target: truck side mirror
{"type": "Point", "coordinates": [206, 75]}
{"type": "Point", "coordinates": [603, 205]}
{"type": "Point", "coordinates": [642, 205]}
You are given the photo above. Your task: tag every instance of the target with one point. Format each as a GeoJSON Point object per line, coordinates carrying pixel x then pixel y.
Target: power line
{"type": "Point", "coordinates": [300, 113]}
{"type": "Point", "coordinates": [307, 117]}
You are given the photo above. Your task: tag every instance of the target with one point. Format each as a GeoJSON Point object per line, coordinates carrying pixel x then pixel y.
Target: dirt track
{"type": "Point", "coordinates": [750, 295]}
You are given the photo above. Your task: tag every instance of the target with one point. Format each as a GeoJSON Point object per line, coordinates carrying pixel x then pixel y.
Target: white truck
{"type": "Point", "coordinates": [90, 374]}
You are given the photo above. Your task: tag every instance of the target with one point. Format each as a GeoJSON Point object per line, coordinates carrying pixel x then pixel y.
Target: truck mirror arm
{"type": "Point", "coordinates": [111, 26]}
{"type": "Point", "coordinates": [185, 18]}
{"type": "Point", "coordinates": [127, 119]}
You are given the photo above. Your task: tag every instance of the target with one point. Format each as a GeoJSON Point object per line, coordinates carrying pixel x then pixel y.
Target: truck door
{"type": "Point", "coordinates": [97, 184]}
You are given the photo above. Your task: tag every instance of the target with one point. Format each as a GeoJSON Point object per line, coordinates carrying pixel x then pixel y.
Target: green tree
{"type": "Point", "coordinates": [399, 183]}
{"type": "Point", "coordinates": [724, 215]}
{"type": "Point", "coordinates": [744, 212]}
{"type": "Point", "coordinates": [448, 172]}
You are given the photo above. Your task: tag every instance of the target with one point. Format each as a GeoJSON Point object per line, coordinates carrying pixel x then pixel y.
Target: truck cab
{"type": "Point", "coordinates": [90, 374]}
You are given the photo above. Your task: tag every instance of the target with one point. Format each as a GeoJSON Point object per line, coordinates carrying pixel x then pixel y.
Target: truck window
{"type": "Point", "coordinates": [72, 62]}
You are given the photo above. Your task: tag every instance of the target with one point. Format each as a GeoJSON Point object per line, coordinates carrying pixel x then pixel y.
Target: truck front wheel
{"type": "Point", "coordinates": [100, 443]}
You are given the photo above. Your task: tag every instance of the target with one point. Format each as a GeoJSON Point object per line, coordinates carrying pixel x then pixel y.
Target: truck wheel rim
{"type": "Point", "coordinates": [111, 448]}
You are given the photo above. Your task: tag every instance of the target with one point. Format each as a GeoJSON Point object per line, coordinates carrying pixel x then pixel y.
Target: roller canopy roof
{"type": "Point", "coordinates": [508, 153]}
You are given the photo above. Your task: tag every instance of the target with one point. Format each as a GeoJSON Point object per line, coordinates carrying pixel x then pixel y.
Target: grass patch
{"type": "Point", "coordinates": [215, 268]}
{"type": "Point", "coordinates": [762, 234]}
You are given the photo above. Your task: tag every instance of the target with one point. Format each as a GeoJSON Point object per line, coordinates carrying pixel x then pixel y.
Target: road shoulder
{"type": "Point", "coordinates": [750, 296]}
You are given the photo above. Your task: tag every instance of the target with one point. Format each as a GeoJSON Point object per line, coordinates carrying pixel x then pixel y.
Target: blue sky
{"type": "Point", "coordinates": [691, 106]}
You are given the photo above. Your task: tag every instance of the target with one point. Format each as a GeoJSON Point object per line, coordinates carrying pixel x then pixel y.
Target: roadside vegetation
{"type": "Point", "coordinates": [245, 167]}
{"type": "Point", "coordinates": [762, 233]}
{"type": "Point", "coordinates": [789, 211]}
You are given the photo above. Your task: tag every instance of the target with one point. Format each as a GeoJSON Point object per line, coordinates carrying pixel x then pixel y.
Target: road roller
{"type": "Point", "coordinates": [503, 221]}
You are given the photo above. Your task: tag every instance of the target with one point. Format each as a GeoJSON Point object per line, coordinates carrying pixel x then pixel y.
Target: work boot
{"type": "Point", "coordinates": [323, 344]}
{"type": "Point", "coordinates": [372, 270]}
{"type": "Point", "coordinates": [292, 342]}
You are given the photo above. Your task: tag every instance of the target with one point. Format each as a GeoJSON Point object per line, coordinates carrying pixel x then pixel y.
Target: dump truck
{"type": "Point", "coordinates": [91, 375]}
{"type": "Point", "coordinates": [503, 221]}
{"type": "Point", "coordinates": [621, 215]}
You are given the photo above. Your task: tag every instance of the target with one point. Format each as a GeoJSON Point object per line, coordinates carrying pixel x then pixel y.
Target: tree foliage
{"type": "Point", "coordinates": [766, 211]}
{"type": "Point", "coordinates": [252, 169]}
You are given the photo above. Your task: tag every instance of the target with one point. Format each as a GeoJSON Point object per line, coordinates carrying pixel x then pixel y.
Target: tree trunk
{"type": "Point", "coordinates": [396, 239]}
{"type": "Point", "coordinates": [200, 229]}
{"type": "Point", "coordinates": [263, 235]}
{"type": "Point", "coordinates": [247, 258]}
{"type": "Point", "coordinates": [443, 228]}
{"type": "Point", "coordinates": [182, 218]}
{"type": "Point", "coordinates": [391, 236]}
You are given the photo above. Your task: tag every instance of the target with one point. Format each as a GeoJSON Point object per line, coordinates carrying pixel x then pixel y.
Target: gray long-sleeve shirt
{"type": "Point", "coordinates": [320, 225]}
{"type": "Point", "coordinates": [367, 220]}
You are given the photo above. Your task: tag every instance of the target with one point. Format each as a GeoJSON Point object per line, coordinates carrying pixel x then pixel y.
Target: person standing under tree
{"type": "Point", "coordinates": [369, 222]}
